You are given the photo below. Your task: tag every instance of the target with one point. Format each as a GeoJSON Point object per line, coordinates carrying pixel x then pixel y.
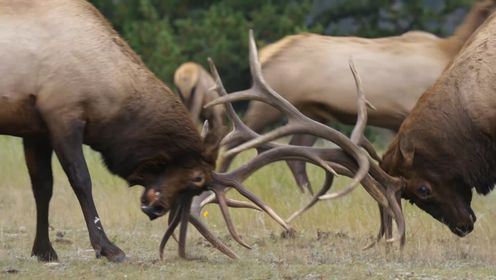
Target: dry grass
{"type": "Point", "coordinates": [328, 245]}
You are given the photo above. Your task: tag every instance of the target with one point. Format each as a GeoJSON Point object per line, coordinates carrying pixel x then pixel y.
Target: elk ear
{"type": "Point", "coordinates": [407, 151]}
{"type": "Point", "coordinates": [212, 137]}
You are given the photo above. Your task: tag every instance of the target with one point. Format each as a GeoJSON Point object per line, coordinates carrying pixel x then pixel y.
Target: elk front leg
{"type": "Point", "coordinates": [298, 167]}
{"type": "Point", "coordinates": [38, 155]}
{"type": "Point", "coordinates": [67, 142]}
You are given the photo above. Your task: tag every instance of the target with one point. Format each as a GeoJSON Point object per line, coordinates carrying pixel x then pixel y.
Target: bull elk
{"type": "Point", "coordinates": [446, 146]}
{"type": "Point", "coordinates": [311, 71]}
{"type": "Point", "coordinates": [193, 83]}
{"type": "Point", "coordinates": [68, 79]}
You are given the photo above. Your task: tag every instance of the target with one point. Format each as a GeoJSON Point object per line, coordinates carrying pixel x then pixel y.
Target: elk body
{"type": "Point", "coordinates": [447, 145]}
{"type": "Point", "coordinates": [67, 80]}
{"type": "Point", "coordinates": [311, 71]}
{"type": "Point", "coordinates": [194, 83]}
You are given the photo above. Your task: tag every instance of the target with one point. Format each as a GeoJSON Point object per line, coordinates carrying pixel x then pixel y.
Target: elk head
{"type": "Point", "coordinates": [164, 190]}
{"type": "Point", "coordinates": [441, 193]}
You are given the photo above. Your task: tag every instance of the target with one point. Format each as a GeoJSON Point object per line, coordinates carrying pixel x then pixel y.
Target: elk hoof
{"type": "Point", "coordinates": [113, 254]}
{"type": "Point", "coordinates": [288, 234]}
{"type": "Point", "coordinates": [117, 258]}
{"type": "Point", "coordinates": [45, 253]}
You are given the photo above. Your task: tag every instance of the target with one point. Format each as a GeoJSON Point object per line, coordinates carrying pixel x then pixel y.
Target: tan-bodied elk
{"type": "Point", "coordinates": [193, 83]}
{"type": "Point", "coordinates": [68, 79]}
{"type": "Point", "coordinates": [311, 71]}
{"type": "Point", "coordinates": [446, 148]}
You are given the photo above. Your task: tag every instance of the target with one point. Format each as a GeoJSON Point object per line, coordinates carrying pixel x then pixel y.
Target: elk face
{"type": "Point", "coordinates": [446, 201]}
{"type": "Point", "coordinates": [441, 193]}
{"type": "Point", "coordinates": [169, 189]}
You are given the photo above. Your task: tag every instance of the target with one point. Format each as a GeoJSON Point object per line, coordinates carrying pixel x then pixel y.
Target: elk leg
{"type": "Point", "coordinates": [38, 155]}
{"type": "Point", "coordinates": [297, 167]}
{"type": "Point", "coordinates": [67, 142]}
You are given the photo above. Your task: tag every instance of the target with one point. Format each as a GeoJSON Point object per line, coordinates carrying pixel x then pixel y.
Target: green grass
{"type": "Point", "coordinates": [328, 244]}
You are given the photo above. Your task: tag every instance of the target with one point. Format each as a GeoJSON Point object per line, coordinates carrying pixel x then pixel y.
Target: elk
{"type": "Point", "coordinates": [310, 71]}
{"type": "Point", "coordinates": [446, 146]}
{"type": "Point", "coordinates": [69, 79]}
{"type": "Point", "coordinates": [193, 83]}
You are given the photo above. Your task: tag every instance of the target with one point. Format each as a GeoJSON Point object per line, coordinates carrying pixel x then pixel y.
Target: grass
{"type": "Point", "coordinates": [328, 245]}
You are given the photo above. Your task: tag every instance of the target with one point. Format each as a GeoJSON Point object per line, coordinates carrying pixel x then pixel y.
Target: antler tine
{"type": "Point", "coordinates": [344, 168]}
{"type": "Point", "coordinates": [200, 226]}
{"type": "Point", "coordinates": [232, 203]}
{"type": "Point", "coordinates": [221, 198]}
{"type": "Point", "coordinates": [329, 178]}
{"type": "Point", "coordinates": [174, 219]}
{"type": "Point", "coordinates": [241, 132]}
{"type": "Point", "coordinates": [382, 229]}
{"type": "Point", "coordinates": [183, 227]}
{"type": "Point", "coordinates": [357, 133]}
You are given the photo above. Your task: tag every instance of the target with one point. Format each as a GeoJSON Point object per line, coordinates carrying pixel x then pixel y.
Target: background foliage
{"type": "Point", "coordinates": [167, 33]}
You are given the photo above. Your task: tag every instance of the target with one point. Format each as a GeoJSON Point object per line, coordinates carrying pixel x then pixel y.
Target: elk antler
{"type": "Point", "coordinates": [349, 159]}
{"type": "Point", "coordinates": [388, 197]}
{"type": "Point", "coordinates": [297, 122]}
{"type": "Point", "coordinates": [269, 151]}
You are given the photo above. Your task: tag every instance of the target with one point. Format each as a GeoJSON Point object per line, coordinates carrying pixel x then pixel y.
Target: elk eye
{"type": "Point", "coordinates": [424, 191]}
{"type": "Point", "coordinates": [198, 179]}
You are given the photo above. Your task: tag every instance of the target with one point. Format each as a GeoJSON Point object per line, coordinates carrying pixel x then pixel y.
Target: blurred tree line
{"type": "Point", "coordinates": [167, 33]}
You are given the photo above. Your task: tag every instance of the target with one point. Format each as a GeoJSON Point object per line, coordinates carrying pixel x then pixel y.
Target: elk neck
{"type": "Point", "coordinates": [153, 127]}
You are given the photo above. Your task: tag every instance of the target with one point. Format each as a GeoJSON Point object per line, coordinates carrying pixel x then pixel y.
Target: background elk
{"type": "Point", "coordinates": [447, 146]}
{"type": "Point", "coordinates": [193, 83]}
{"type": "Point", "coordinates": [311, 72]}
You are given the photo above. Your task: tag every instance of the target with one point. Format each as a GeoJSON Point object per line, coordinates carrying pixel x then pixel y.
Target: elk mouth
{"type": "Point", "coordinates": [462, 231]}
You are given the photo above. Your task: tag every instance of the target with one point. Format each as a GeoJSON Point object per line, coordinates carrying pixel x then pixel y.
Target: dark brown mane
{"type": "Point", "coordinates": [140, 137]}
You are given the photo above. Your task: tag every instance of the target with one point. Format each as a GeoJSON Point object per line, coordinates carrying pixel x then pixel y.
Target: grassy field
{"type": "Point", "coordinates": [328, 244]}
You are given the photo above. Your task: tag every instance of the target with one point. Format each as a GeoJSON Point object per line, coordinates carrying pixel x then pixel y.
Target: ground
{"type": "Point", "coordinates": [328, 244]}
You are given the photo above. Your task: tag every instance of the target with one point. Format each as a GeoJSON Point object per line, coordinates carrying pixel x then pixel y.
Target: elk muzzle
{"type": "Point", "coordinates": [150, 204]}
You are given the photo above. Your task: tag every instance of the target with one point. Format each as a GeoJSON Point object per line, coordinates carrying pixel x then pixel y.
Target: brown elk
{"type": "Point", "coordinates": [193, 83]}
{"type": "Point", "coordinates": [68, 79]}
{"type": "Point", "coordinates": [446, 146]}
{"type": "Point", "coordinates": [311, 72]}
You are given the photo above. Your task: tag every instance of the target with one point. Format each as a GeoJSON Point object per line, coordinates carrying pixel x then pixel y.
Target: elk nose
{"type": "Point", "coordinates": [462, 230]}
{"type": "Point", "coordinates": [152, 212]}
